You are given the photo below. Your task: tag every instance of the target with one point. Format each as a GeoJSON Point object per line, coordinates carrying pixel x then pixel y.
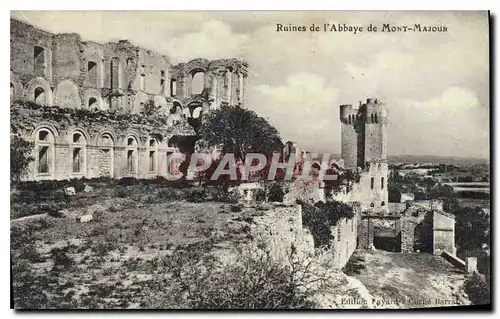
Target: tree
{"type": "Point", "coordinates": [239, 131]}
{"type": "Point", "coordinates": [20, 157]}
{"type": "Point", "coordinates": [150, 108]}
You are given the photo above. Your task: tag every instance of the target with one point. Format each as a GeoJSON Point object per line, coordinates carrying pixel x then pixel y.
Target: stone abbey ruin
{"type": "Point", "coordinates": [117, 110]}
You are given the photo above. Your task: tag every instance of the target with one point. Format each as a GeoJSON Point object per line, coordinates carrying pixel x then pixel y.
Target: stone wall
{"type": "Point", "coordinates": [277, 232]}
{"type": "Point", "coordinates": [443, 232]}
{"type": "Point", "coordinates": [345, 235]}
{"type": "Point", "coordinates": [104, 143]}
{"type": "Point", "coordinates": [374, 199]}
{"type": "Point", "coordinates": [73, 73]}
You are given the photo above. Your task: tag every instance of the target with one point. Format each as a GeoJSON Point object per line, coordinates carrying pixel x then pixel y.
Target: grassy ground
{"type": "Point", "coordinates": [408, 280]}
{"type": "Point", "coordinates": [112, 261]}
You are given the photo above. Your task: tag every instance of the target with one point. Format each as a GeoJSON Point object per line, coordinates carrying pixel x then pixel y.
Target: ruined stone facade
{"type": "Point", "coordinates": [64, 72]}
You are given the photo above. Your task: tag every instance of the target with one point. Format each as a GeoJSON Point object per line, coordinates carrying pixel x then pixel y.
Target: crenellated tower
{"type": "Point", "coordinates": [364, 148]}
{"type": "Point", "coordinates": [364, 136]}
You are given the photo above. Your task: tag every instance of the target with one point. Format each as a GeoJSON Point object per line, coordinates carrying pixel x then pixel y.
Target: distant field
{"type": "Point", "coordinates": [423, 159]}
{"type": "Point", "coordinates": [472, 202]}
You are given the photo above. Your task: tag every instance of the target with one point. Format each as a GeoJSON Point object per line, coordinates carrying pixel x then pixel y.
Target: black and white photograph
{"type": "Point", "coordinates": [250, 160]}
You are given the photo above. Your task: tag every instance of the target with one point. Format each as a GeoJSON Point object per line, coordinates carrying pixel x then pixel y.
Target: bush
{"type": "Point", "coordinates": [478, 290]}
{"type": "Point", "coordinates": [276, 193]}
{"type": "Point", "coordinates": [198, 281]}
{"type": "Point", "coordinates": [169, 194]}
{"type": "Point", "coordinates": [319, 219]}
{"type": "Point", "coordinates": [30, 253]}
{"type": "Point", "coordinates": [61, 258]}
{"type": "Point", "coordinates": [20, 157]}
{"type": "Point", "coordinates": [196, 196]}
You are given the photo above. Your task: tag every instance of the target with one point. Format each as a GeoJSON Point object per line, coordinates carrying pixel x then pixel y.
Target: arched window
{"type": "Point", "coordinates": [372, 182]}
{"type": "Point", "coordinates": [93, 103]}
{"type": "Point", "coordinates": [39, 96]}
{"type": "Point", "coordinates": [371, 118]}
{"type": "Point", "coordinates": [39, 59]}
{"type": "Point", "coordinates": [198, 83]}
{"type": "Point", "coordinates": [382, 203]}
{"type": "Point", "coordinates": [372, 205]}
{"type": "Point", "coordinates": [78, 152]}
{"type": "Point", "coordinates": [11, 91]}
{"type": "Point", "coordinates": [105, 145]}
{"type": "Point", "coordinates": [153, 153]}
{"type": "Point", "coordinates": [92, 72]}
{"type": "Point", "coordinates": [376, 120]}
{"type": "Point", "coordinates": [44, 145]}
{"type": "Point", "coordinates": [132, 156]}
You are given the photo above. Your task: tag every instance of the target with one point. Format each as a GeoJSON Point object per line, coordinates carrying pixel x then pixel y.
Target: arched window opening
{"type": "Point", "coordinates": [382, 183]}
{"type": "Point", "coordinates": [382, 203]}
{"type": "Point", "coordinates": [173, 87]}
{"type": "Point", "coordinates": [376, 119]}
{"type": "Point", "coordinates": [372, 205]}
{"type": "Point", "coordinates": [39, 96]}
{"type": "Point", "coordinates": [93, 103]}
{"type": "Point", "coordinates": [372, 182]}
{"type": "Point", "coordinates": [105, 145]}
{"type": "Point", "coordinates": [11, 91]}
{"type": "Point", "coordinates": [92, 72]}
{"type": "Point", "coordinates": [78, 147]}
{"type": "Point", "coordinates": [198, 83]}
{"type": "Point", "coordinates": [371, 118]}
{"type": "Point", "coordinates": [132, 159]}
{"type": "Point", "coordinates": [44, 147]}
{"type": "Point", "coordinates": [39, 58]}
{"type": "Point", "coordinates": [153, 147]}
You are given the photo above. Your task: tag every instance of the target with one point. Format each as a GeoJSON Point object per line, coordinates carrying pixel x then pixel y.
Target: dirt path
{"type": "Point", "coordinates": [399, 280]}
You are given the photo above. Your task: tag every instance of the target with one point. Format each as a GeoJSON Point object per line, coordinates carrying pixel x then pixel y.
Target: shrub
{"type": "Point", "coordinates": [196, 196]}
{"type": "Point", "coordinates": [169, 194]}
{"type": "Point", "coordinates": [478, 289]}
{"type": "Point", "coordinates": [30, 253]}
{"type": "Point", "coordinates": [197, 281]}
{"type": "Point", "coordinates": [61, 258]}
{"type": "Point", "coordinates": [122, 192]}
{"type": "Point", "coordinates": [275, 193]}
{"type": "Point", "coordinates": [260, 195]}
{"type": "Point", "coordinates": [102, 247]}
{"type": "Point", "coordinates": [319, 219]}
{"type": "Point", "coordinates": [236, 208]}
{"type": "Point", "coordinates": [20, 157]}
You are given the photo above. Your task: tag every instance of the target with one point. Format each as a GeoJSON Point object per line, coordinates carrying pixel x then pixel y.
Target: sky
{"type": "Point", "coordinates": [435, 85]}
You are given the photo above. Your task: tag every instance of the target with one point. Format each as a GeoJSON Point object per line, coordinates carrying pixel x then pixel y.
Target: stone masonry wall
{"type": "Point", "coordinates": [96, 155]}
{"type": "Point", "coordinates": [345, 235]}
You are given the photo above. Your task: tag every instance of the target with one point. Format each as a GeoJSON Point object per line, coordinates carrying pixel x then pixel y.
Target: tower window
{"type": "Point", "coordinates": [142, 83]}
{"type": "Point", "coordinates": [382, 183]}
{"type": "Point", "coordinates": [372, 182]}
{"type": "Point", "coordinates": [372, 205]}
{"type": "Point", "coordinates": [39, 58]}
{"type": "Point", "coordinates": [382, 203]}
{"type": "Point", "coordinates": [173, 87]}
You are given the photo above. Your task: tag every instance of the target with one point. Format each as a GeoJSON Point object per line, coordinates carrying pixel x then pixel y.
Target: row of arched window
{"type": "Point", "coordinates": [45, 159]}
